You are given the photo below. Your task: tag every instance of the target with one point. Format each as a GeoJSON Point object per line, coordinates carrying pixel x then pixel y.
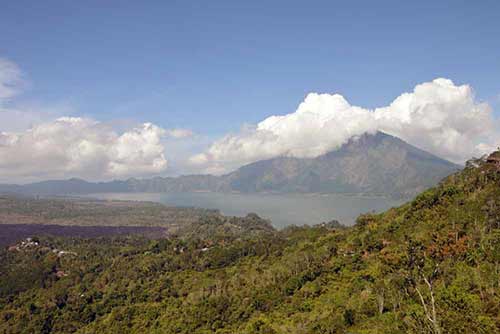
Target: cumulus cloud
{"type": "Point", "coordinates": [437, 116]}
{"type": "Point", "coordinates": [37, 143]}
{"type": "Point", "coordinates": [442, 118]}
{"type": "Point", "coordinates": [81, 147]}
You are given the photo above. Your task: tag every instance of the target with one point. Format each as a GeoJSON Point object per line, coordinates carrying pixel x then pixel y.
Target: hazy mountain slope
{"type": "Point", "coordinates": [71, 186]}
{"type": "Point", "coordinates": [370, 164]}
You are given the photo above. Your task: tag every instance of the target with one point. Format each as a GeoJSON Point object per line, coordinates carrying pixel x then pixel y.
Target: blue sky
{"type": "Point", "coordinates": [211, 66]}
{"type": "Point", "coordinates": [184, 63]}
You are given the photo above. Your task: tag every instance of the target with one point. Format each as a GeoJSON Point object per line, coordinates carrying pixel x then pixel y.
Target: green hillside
{"type": "Point", "coordinates": [430, 266]}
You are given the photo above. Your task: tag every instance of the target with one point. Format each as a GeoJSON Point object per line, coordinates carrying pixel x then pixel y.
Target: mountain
{"type": "Point", "coordinates": [370, 164]}
{"type": "Point", "coordinates": [61, 187]}
{"type": "Point", "coordinates": [429, 266]}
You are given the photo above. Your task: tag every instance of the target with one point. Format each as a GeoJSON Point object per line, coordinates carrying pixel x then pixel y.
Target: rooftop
{"type": "Point", "coordinates": [495, 156]}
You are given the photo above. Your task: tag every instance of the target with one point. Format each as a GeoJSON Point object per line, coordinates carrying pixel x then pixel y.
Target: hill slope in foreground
{"type": "Point", "coordinates": [429, 266]}
{"type": "Point", "coordinates": [370, 164]}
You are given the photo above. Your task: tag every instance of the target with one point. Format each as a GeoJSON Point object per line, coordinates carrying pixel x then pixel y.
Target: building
{"type": "Point", "coordinates": [494, 158]}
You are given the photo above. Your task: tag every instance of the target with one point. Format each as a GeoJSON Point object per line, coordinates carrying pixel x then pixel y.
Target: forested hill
{"type": "Point", "coordinates": [429, 266]}
{"type": "Point", "coordinates": [370, 164]}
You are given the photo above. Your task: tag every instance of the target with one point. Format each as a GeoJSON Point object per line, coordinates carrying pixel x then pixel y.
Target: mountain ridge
{"type": "Point", "coordinates": [367, 164]}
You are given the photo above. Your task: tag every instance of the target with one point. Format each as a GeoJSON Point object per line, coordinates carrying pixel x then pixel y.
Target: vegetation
{"type": "Point", "coordinates": [429, 266]}
{"type": "Point", "coordinates": [88, 212]}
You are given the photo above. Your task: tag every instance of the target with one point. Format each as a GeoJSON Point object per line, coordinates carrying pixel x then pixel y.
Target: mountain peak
{"type": "Point", "coordinates": [373, 163]}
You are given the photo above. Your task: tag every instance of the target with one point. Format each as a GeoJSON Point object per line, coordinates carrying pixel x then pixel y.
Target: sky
{"type": "Point", "coordinates": [105, 90]}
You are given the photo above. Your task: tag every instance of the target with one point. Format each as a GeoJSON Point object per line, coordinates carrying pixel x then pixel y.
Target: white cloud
{"type": "Point", "coordinates": [22, 117]}
{"type": "Point", "coordinates": [10, 79]}
{"type": "Point", "coordinates": [81, 147]}
{"type": "Point", "coordinates": [437, 116]}
{"type": "Point", "coordinates": [442, 118]}
{"type": "Point", "coordinates": [16, 116]}
{"type": "Point", "coordinates": [180, 133]}
{"type": "Point", "coordinates": [37, 143]}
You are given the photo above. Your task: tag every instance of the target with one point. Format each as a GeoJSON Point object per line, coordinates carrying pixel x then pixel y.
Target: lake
{"type": "Point", "coordinates": [281, 209]}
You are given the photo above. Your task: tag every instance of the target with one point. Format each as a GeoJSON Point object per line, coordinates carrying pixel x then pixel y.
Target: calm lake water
{"type": "Point", "coordinates": [282, 210]}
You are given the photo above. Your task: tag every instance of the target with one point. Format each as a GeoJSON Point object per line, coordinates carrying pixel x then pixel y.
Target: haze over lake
{"type": "Point", "coordinates": [281, 209]}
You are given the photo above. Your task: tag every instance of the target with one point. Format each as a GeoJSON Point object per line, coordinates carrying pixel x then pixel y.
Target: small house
{"type": "Point", "coordinates": [494, 158]}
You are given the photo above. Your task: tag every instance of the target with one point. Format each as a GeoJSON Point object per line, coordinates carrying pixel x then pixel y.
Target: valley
{"type": "Point", "coordinates": [428, 266]}
{"type": "Point", "coordinates": [249, 167]}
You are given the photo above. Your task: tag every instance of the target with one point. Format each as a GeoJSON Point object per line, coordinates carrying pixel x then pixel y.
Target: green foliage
{"type": "Point", "coordinates": [430, 266]}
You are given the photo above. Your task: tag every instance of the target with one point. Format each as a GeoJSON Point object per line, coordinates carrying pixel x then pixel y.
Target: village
{"type": "Point", "coordinates": [34, 243]}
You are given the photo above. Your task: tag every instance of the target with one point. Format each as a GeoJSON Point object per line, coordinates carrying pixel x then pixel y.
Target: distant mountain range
{"type": "Point", "coordinates": [370, 164]}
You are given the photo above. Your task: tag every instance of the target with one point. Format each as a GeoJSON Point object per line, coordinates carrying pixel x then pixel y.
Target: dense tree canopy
{"type": "Point", "coordinates": [429, 266]}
